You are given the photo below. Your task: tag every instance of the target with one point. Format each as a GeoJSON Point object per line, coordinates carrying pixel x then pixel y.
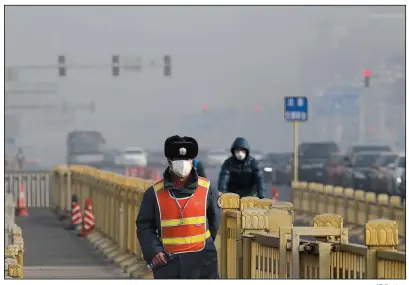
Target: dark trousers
{"type": "Point", "coordinates": [195, 265]}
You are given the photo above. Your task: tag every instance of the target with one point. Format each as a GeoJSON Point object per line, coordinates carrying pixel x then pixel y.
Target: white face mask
{"type": "Point", "coordinates": [240, 155]}
{"type": "Point", "coordinates": [181, 168]}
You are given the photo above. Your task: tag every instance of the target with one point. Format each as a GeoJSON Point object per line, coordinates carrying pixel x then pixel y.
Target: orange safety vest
{"type": "Point", "coordinates": [183, 220]}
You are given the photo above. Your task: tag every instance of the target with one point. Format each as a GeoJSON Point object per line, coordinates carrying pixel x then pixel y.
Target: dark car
{"type": "Point", "coordinates": [358, 169]}
{"type": "Point", "coordinates": [312, 157]}
{"type": "Point", "coordinates": [402, 186]}
{"type": "Point", "coordinates": [334, 169]}
{"type": "Point", "coordinates": [275, 167]}
{"type": "Point", "coordinates": [378, 175]}
{"type": "Point", "coordinates": [352, 150]}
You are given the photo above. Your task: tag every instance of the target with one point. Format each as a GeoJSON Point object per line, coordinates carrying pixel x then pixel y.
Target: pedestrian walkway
{"type": "Point", "coordinates": [51, 252]}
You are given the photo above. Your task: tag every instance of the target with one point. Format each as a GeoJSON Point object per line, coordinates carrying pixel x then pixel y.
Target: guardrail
{"type": "Point", "coordinates": [356, 206]}
{"type": "Point", "coordinates": [35, 184]}
{"type": "Point", "coordinates": [256, 239]}
{"type": "Point", "coordinates": [13, 257]}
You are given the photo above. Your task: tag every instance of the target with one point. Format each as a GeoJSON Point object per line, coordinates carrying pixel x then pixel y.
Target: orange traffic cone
{"type": "Point", "coordinates": [21, 205]}
{"type": "Point", "coordinates": [275, 195]}
{"type": "Point", "coordinates": [89, 219]}
{"type": "Point", "coordinates": [76, 217]}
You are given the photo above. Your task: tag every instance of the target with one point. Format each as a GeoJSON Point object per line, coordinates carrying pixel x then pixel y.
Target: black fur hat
{"type": "Point", "coordinates": [177, 147]}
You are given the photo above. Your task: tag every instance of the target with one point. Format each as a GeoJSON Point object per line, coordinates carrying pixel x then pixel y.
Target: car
{"type": "Point", "coordinates": [352, 150]}
{"type": "Point", "coordinates": [394, 173]}
{"type": "Point", "coordinates": [358, 168]}
{"type": "Point", "coordinates": [334, 169]}
{"type": "Point", "coordinates": [275, 167]}
{"type": "Point", "coordinates": [216, 158]}
{"type": "Point", "coordinates": [113, 158]}
{"type": "Point", "coordinates": [402, 186]}
{"type": "Point", "coordinates": [378, 175]}
{"type": "Point", "coordinates": [312, 157]}
{"type": "Point", "coordinates": [135, 156]}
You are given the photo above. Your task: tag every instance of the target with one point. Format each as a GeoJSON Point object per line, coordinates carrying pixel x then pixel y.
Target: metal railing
{"type": "Point", "coordinates": [14, 243]}
{"type": "Point", "coordinates": [35, 184]}
{"type": "Point", "coordinates": [356, 206]}
{"type": "Point", "coordinates": [257, 238]}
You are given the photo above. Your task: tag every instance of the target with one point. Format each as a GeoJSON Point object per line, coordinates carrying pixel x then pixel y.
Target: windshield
{"type": "Point", "coordinates": [365, 160]}
{"type": "Point", "coordinates": [316, 150]}
{"type": "Point", "coordinates": [402, 162]}
{"type": "Point", "coordinates": [85, 142]}
{"type": "Point", "coordinates": [337, 159]}
{"type": "Point", "coordinates": [371, 148]}
{"type": "Point", "coordinates": [384, 160]}
{"type": "Point", "coordinates": [86, 145]}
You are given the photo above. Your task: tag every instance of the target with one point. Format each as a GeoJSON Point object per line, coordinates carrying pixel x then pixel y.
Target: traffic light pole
{"type": "Point", "coordinates": [362, 128]}
{"type": "Point", "coordinates": [115, 66]}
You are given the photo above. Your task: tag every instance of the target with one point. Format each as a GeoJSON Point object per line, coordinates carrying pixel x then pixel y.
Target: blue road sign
{"type": "Point", "coordinates": [338, 102]}
{"type": "Point", "coordinates": [296, 109]}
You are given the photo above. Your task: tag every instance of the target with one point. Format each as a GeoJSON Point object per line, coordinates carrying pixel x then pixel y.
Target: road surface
{"type": "Point", "coordinates": [51, 252]}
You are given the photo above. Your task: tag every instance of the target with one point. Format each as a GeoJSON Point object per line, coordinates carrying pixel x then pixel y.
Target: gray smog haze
{"type": "Point", "coordinates": [230, 58]}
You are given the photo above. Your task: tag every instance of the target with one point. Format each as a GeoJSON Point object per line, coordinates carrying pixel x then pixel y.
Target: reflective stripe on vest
{"type": "Point", "coordinates": [187, 232]}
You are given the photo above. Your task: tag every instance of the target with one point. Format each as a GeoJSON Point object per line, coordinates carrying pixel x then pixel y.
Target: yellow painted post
{"type": "Point", "coordinates": [246, 252]}
{"type": "Point", "coordinates": [333, 221]}
{"type": "Point", "coordinates": [67, 190]}
{"type": "Point", "coordinates": [122, 221]}
{"type": "Point", "coordinates": [380, 234]}
{"type": "Point", "coordinates": [252, 221]}
{"type": "Point", "coordinates": [229, 202]}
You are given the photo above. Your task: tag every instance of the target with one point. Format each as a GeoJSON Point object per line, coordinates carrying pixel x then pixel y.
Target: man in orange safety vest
{"type": "Point", "coordinates": [179, 218]}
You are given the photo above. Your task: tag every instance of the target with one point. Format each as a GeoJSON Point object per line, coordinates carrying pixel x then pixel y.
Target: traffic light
{"type": "Point", "coordinates": [115, 65]}
{"type": "Point", "coordinates": [61, 66]}
{"type": "Point", "coordinates": [167, 66]}
{"type": "Point", "coordinates": [367, 78]}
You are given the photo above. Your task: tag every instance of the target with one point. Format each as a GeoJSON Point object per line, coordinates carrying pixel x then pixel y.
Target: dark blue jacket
{"type": "Point", "coordinates": [242, 177]}
{"type": "Point", "coordinates": [197, 265]}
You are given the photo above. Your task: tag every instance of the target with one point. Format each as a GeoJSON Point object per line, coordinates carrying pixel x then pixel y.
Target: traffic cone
{"type": "Point", "coordinates": [89, 219]}
{"type": "Point", "coordinates": [76, 218]}
{"type": "Point", "coordinates": [21, 209]}
{"type": "Point", "coordinates": [275, 194]}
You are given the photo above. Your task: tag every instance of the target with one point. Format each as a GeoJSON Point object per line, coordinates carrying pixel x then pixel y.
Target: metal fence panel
{"type": "Point", "coordinates": [36, 185]}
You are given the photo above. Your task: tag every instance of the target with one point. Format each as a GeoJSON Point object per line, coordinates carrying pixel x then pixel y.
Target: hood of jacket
{"type": "Point", "coordinates": [240, 143]}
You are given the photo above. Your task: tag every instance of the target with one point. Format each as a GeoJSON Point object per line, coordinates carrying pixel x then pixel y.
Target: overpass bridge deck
{"type": "Point", "coordinates": [51, 252]}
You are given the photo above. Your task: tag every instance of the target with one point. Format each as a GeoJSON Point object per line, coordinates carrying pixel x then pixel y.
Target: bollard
{"type": "Point", "coordinates": [381, 234]}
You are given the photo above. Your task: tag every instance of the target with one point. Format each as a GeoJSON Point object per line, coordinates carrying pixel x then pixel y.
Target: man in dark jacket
{"type": "Point", "coordinates": [178, 218]}
{"type": "Point", "coordinates": [241, 173]}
